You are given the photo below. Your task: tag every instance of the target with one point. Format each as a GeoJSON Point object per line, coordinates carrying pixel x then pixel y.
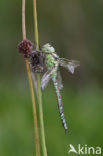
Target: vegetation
{"type": "Point", "coordinates": [75, 29]}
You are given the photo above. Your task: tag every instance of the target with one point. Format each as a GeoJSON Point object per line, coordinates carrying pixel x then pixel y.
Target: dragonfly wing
{"type": "Point", "coordinates": [59, 80]}
{"type": "Point", "coordinates": [34, 79]}
{"type": "Point", "coordinates": [45, 79]}
{"type": "Point", "coordinates": [69, 64]}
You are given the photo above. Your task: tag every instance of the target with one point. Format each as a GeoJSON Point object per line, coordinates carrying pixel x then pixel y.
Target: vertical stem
{"type": "Point", "coordinates": [38, 84]}
{"type": "Point", "coordinates": [23, 20]}
{"type": "Point", "coordinates": [30, 84]}
{"type": "Point", "coordinates": [34, 109]}
{"type": "Point", "coordinates": [41, 118]}
{"type": "Point", "coordinates": [35, 25]}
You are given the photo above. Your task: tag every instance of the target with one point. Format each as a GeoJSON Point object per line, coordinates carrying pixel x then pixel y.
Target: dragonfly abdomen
{"type": "Point", "coordinates": [60, 105]}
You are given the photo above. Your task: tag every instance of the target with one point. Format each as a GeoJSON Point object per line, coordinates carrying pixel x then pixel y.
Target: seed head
{"type": "Point", "coordinates": [37, 61]}
{"type": "Point", "coordinates": [25, 47]}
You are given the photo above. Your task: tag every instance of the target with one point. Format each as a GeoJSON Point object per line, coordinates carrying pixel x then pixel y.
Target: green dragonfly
{"type": "Point", "coordinates": [53, 61]}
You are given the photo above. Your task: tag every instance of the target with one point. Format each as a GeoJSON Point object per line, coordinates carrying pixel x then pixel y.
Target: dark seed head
{"type": "Point", "coordinates": [25, 47]}
{"type": "Point", "coordinates": [36, 61]}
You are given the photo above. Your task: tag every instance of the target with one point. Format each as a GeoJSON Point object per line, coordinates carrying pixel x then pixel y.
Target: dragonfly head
{"type": "Point", "coordinates": [47, 48]}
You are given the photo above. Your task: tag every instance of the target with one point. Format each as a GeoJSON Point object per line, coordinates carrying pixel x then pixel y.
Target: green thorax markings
{"type": "Point", "coordinates": [52, 63]}
{"type": "Point", "coordinates": [49, 61]}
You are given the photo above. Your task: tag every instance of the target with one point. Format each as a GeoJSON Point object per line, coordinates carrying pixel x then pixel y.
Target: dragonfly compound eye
{"type": "Point", "coordinates": [47, 48]}
{"type": "Point", "coordinates": [25, 47]}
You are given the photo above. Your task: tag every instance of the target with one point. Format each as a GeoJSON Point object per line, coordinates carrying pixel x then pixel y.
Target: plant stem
{"type": "Point", "coordinates": [38, 84]}
{"type": "Point", "coordinates": [30, 84]}
{"type": "Point", "coordinates": [23, 20]}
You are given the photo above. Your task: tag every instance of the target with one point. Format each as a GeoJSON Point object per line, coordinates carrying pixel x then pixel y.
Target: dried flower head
{"type": "Point", "coordinates": [25, 47]}
{"type": "Point", "coordinates": [37, 61]}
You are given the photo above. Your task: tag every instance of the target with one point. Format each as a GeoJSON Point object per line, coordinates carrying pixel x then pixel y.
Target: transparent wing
{"type": "Point", "coordinates": [34, 79]}
{"type": "Point", "coordinates": [69, 64]}
{"type": "Point", "coordinates": [59, 80]}
{"type": "Point", "coordinates": [45, 79]}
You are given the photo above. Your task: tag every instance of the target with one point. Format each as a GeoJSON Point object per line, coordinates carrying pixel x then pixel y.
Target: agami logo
{"type": "Point", "coordinates": [84, 150]}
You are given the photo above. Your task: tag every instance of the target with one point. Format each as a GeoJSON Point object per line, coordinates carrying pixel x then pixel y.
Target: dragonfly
{"type": "Point", "coordinates": [53, 62]}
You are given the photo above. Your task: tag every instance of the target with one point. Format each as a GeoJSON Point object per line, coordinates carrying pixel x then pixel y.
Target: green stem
{"type": "Point", "coordinates": [38, 84]}
{"type": "Point", "coordinates": [30, 83]}
{"type": "Point", "coordinates": [41, 117]}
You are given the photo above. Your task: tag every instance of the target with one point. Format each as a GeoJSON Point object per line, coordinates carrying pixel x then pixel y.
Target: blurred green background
{"type": "Point", "coordinates": [75, 29]}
